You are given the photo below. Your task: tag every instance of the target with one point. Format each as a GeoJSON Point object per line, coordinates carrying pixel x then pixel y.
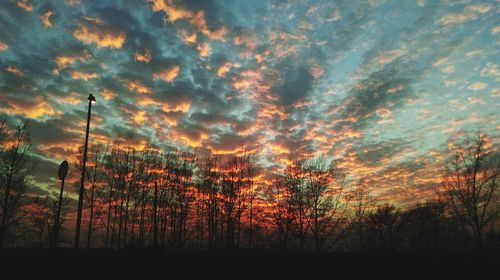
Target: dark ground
{"type": "Point", "coordinates": [152, 264]}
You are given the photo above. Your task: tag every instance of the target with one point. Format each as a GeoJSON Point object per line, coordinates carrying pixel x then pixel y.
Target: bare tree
{"type": "Point", "coordinates": [383, 225]}
{"type": "Point", "coordinates": [209, 189]}
{"type": "Point", "coordinates": [470, 187]}
{"type": "Point", "coordinates": [282, 212]}
{"type": "Point", "coordinates": [362, 203]}
{"type": "Point", "coordinates": [15, 168]}
{"type": "Point", "coordinates": [327, 204]}
{"type": "Point", "coordinates": [94, 178]}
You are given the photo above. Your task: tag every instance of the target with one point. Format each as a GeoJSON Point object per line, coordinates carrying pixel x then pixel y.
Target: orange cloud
{"type": "Point", "coordinates": [25, 5]}
{"type": "Point", "coordinates": [138, 87]}
{"type": "Point", "coordinates": [101, 38]}
{"type": "Point", "coordinates": [14, 70]}
{"type": "Point", "coordinates": [146, 101]}
{"type": "Point", "coordinates": [222, 71]}
{"type": "Point", "coordinates": [146, 57]}
{"type": "Point", "coordinates": [198, 20]}
{"type": "Point", "coordinates": [181, 107]}
{"type": "Point", "coordinates": [72, 2]}
{"type": "Point", "coordinates": [278, 149]}
{"type": "Point", "coordinates": [203, 49]}
{"type": "Point", "coordinates": [167, 75]}
{"type": "Point", "coordinates": [46, 19]}
{"type": "Point", "coordinates": [248, 78]}
{"type": "Point", "coordinates": [395, 89]}
{"type": "Point", "coordinates": [94, 20]}
{"type": "Point", "coordinates": [173, 13]}
{"type": "Point", "coordinates": [33, 109]}
{"type": "Point", "coordinates": [189, 139]}
{"type": "Point", "coordinates": [246, 40]}
{"type": "Point", "coordinates": [63, 61]}
{"type": "Point", "coordinates": [3, 46]}
{"type": "Point", "coordinates": [73, 98]}
{"type": "Point", "coordinates": [139, 117]}
{"type": "Point", "coordinates": [77, 75]}
{"type": "Point", "coordinates": [389, 56]}
{"type": "Point", "coordinates": [317, 71]}
{"type": "Point", "coordinates": [236, 151]}
{"type": "Point", "coordinates": [242, 84]}
{"type": "Point", "coordinates": [108, 94]}
{"type": "Point", "coordinates": [260, 57]}
{"type": "Point", "coordinates": [190, 39]}
{"type": "Point", "coordinates": [170, 120]}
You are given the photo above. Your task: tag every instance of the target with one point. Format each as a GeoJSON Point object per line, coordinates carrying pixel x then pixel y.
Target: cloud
{"type": "Point", "coordinates": [138, 87]}
{"type": "Point", "coordinates": [495, 29]}
{"type": "Point", "coordinates": [29, 108]}
{"type": "Point", "coordinates": [143, 57]}
{"type": "Point", "coordinates": [475, 100]}
{"type": "Point", "coordinates": [72, 98]}
{"type": "Point", "coordinates": [203, 49]}
{"type": "Point", "coordinates": [189, 137]}
{"type": "Point", "coordinates": [24, 4]}
{"type": "Point", "coordinates": [64, 61]}
{"type": "Point", "coordinates": [224, 69]}
{"type": "Point", "coordinates": [173, 13]}
{"type": "Point", "coordinates": [196, 19]}
{"type": "Point", "coordinates": [189, 39]}
{"type": "Point", "coordinates": [167, 75]}
{"type": "Point", "coordinates": [477, 86]}
{"type": "Point", "coordinates": [3, 46]}
{"type": "Point", "coordinates": [495, 92]}
{"type": "Point", "coordinates": [491, 70]}
{"type": "Point", "coordinates": [14, 70]}
{"type": "Point", "coordinates": [45, 18]}
{"type": "Point", "coordinates": [468, 14]}
{"type": "Point", "coordinates": [77, 75]}
{"type": "Point", "coordinates": [103, 38]}
{"type": "Point", "coordinates": [230, 143]}
{"type": "Point", "coordinates": [458, 18]}
{"type": "Point", "coordinates": [480, 8]}
{"type": "Point", "coordinates": [108, 94]}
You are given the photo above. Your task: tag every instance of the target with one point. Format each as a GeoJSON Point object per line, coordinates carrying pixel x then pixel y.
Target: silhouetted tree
{"type": "Point", "coordinates": [15, 168]}
{"type": "Point", "coordinates": [384, 228]}
{"type": "Point", "coordinates": [209, 189]}
{"type": "Point", "coordinates": [470, 187]}
{"type": "Point", "coordinates": [426, 226]}
{"type": "Point", "coordinates": [327, 205]}
{"type": "Point", "coordinates": [362, 204]}
{"type": "Point", "coordinates": [94, 179]}
{"type": "Point", "coordinates": [309, 201]}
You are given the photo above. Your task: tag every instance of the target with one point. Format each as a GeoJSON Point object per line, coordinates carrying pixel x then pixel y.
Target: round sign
{"type": "Point", "coordinates": [63, 170]}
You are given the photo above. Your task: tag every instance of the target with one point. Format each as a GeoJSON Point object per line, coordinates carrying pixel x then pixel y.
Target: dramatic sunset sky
{"type": "Point", "coordinates": [382, 87]}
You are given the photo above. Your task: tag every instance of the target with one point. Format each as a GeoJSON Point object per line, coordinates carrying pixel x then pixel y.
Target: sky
{"type": "Point", "coordinates": [383, 88]}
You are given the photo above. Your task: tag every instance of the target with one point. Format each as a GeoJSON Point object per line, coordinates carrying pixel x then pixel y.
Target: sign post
{"type": "Point", "coordinates": [63, 171]}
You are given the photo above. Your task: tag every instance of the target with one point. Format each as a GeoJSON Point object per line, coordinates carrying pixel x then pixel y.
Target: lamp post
{"type": "Point", "coordinates": [82, 181]}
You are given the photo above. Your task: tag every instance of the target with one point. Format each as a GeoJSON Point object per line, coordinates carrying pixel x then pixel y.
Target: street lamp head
{"type": "Point", "coordinates": [91, 98]}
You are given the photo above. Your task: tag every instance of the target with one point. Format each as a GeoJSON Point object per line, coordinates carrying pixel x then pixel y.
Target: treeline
{"type": "Point", "coordinates": [183, 199]}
